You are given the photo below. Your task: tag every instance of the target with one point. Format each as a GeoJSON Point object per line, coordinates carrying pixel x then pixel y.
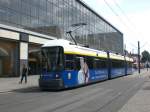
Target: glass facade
{"type": "Point", "coordinates": [56, 17]}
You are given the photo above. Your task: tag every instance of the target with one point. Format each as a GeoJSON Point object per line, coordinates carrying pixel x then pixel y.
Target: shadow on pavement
{"type": "Point", "coordinates": [33, 89]}
{"type": "Point", "coordinates": [36, 89]}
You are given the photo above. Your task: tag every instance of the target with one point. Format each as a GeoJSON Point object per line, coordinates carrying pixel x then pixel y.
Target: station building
{"type": "Point", "coordinates": [25, 25]}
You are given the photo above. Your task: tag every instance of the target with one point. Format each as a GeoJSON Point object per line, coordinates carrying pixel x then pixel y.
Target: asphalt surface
{"type": "Point", "coordinates": [107, 96]}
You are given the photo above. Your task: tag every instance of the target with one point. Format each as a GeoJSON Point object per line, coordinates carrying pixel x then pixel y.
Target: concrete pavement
{"type": "Point", "coordinates": [140, 102]}
{"type": "Point", "coordinates": [10, 84]}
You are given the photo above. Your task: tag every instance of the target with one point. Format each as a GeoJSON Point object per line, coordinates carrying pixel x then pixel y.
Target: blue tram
{"type": "Point", "coordinates": [66, 65]}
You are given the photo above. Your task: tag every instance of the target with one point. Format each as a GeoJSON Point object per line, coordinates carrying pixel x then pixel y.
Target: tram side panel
{"type": "Point", "coordinates": [129, 68]}
{"type": "Point", "coordinates": [98, 70]}
{"type": "Point", "coordinates": [81, 70]}
{"type": "Point", "coordinates": [117, 68]}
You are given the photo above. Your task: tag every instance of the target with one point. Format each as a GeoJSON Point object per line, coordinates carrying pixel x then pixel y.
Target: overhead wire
{"type": "Point", "coordinates": [115, 13]}
{"type": "Point", "coordinates": [122, 11]}
{"type": "Point", "coordinates": [127, 18]}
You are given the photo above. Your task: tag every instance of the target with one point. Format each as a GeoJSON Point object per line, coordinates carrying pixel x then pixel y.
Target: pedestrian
{"type": "Point", "coordinates": [24, 74]}
{"type": "Point", "coordinates": [147, 66]}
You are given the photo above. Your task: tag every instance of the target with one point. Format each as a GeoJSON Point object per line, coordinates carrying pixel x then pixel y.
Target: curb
{"type": "Point", "coordinates": [8, 91]}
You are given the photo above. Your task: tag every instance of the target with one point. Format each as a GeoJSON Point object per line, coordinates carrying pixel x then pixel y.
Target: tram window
{"type": "Point", "coordinates": [89, 61]}
{"type": "Point", "coordinates": [69, 65]}
{"type": "Point", "coordinates": [103, 64]}
{"type": "Point", "coordinates": [69, 62]}
{"type": "Point", "coordinates": [114, 64]}
{"type": "Point", "coordinates": [117, 64]}
{"type": "Point", "coordinates": [69, 57]}
{"type": "Point", "coordinates": [122, 63]}
{"type": "Point", "coordinates": [52, 58]}
{"type": "Point", "coordinates": [98, 63]}
{"type": "Point", "coordinates": [77, 63]}
{"type": "Point", "coordinates": [129, 64]}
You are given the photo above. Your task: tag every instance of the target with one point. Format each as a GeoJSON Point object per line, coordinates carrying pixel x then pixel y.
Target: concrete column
{"type": "Point", "coordinates": [24, 39]}
{"type": "Point", "coordinates": [23, 55]}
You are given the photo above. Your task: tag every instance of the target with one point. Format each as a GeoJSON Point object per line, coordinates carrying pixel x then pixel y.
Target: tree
{"type": "Point", "coordinates": [145, 56]}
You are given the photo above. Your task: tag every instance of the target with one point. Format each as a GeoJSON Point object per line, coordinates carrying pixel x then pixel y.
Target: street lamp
{"type": "Point", "coordinates": [139, 62]}
{"type": "Point", "coordinates": [78, 25]}
{"type": "Point", "coordinates": [139, 57]}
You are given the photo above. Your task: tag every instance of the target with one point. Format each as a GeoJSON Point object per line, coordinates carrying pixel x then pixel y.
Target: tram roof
{"type": "Point", "coordinates": [129, 59]}
{"type": "Point", "coordinates": [116, 56]}
{"type": "Point", "coordinates": [71, 48]}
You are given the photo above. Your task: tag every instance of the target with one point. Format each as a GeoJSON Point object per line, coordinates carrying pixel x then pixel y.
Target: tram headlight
{"type": "Point", "coordinates": [57, 76]}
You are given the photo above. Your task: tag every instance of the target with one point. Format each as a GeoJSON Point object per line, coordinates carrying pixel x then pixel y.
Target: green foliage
{"type": "Point", "coordinates": [145, 56]}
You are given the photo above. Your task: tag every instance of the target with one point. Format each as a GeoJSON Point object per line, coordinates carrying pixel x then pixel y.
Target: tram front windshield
{"type": "Point", "coordinates": [52, 59]}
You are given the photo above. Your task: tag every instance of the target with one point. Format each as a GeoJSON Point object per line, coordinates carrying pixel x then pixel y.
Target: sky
{"type": "Point", "coordinates": [131, 17]}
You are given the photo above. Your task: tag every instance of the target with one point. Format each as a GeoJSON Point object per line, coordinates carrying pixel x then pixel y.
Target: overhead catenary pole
{"type": "Point", "coordinates": [139, 57]}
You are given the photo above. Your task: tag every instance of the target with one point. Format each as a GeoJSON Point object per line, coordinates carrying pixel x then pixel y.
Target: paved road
{"type": "Point", "coordinates": [107, 96]}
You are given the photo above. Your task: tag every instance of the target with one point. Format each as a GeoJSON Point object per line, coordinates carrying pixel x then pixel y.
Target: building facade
{"type": "Point", "coordinates": [27, 24]}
